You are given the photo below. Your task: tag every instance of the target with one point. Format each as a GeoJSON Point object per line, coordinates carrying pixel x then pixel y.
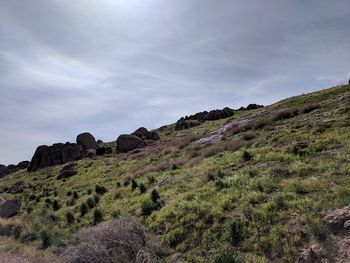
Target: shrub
{"type": "Point", "coordinates": [228, 256]}
{"type": "Point", "coordinates": [284, 114]}
{"type": "Point", "coordinates": [236, 231]}
{"type": "Point", "coordinates": [70, 218]}
{"type": "Point", "coordinates": [100, 190]}
{"type": "Point", "coordinates": [142, 188]}
{"type": "Point", "coordinates": [246, 156]}
{"type": "Point", "coordinates": [55, 205]}
{"type": "Point", "coordinates": [75, 195]}
{"type": "Point", "coordinates": [118, 184]}
{"type": "Point", "coordinates": [174, 166]}
{"type": "Point", "coordinates": [148, 206]}
{"type": "Point", "coordinates": [98, 216]}
{"type": "Point", "coordinates": [134, 184]}
{"type": "Point", "coordinates": [151, 179]}
{"type": "Point", "coordinates": [89, 191]}
{"type": "Point", "coordinates": [29, 236]}
{"type": "Point", "coordinates": [96, 199]}
{"type": "Point", "coordinates": [83, 209]}
{"type": "Point", "coordinates": [45, 239]}
{"type": "Point", "coordinates": [154, 195]}
{"type": "Point", "coordinates": [219, 185]}
{"type": "Point", "coordinates": [318, 229]}
{"type": "Point", "coordinates": [90, 202]}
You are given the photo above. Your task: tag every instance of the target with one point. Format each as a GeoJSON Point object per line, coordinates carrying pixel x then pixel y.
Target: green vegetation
{"type": "Point", "coordinates": [255, 194]}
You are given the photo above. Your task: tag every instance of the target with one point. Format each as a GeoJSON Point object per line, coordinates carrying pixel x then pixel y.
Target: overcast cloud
{"type": "Point", "coordinates": [111, 66]}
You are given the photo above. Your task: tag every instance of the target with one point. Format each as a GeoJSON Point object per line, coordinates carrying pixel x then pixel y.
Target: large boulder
{"type": "Point", "coordinates": [71, 152]}
{"type": "Point", "coordinates": [10, 208]}
{"type": "Point", "coordinates": [89, 153]}
{"type": "Point", "coordinates": [126, 143]}
{"type": "Point", "coordinates": [87, 141]}
{"type": "Point", "coordinates": [23, 165]}
{"type": "Point", "coordinates": [144, 134]}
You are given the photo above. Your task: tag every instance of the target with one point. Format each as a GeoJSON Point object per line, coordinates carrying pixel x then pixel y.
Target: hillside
{"type": "Point", "coordinates": [254, 187]}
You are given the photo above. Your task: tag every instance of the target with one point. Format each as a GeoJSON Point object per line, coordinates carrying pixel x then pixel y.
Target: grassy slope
{"type": "Point", "coordinates": [266, 207]}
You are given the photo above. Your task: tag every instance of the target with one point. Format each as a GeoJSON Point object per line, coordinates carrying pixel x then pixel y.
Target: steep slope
{"type": "Point", "coordinates": [254, 185]}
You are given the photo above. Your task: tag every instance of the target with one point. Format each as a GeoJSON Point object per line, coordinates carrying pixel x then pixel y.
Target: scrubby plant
{"type": "Point", "coordinates": [148, 206]}
{"type": "Point", "coordinates": [45, 239]}
{"type": "Point", "coordinates": [246, 156]}
{"type": "Point", "coordinates": [100, 190]}
{"type": "Point", "coordinates": [90, 202]}
{"type": "Point", "coordinates": [70, 217]}
{"type": "Point", "coordinates": [29, 236]}
{"type": "Point", "coordinates": [142, 188]}
{"type": "Point", "coordinates": [97, 216]}
{"type": "Point", "coordinates": [228, 256]}
{"type": "Point", "coordinates": [154, 196]}
{"type": "Point", "coordinates": [83, 209]}
{"type": "Point", "coordinates": [134, 184]}
{"type": "Point", "coordinates": [75, 195]}
{"type": "Point", "coordinates": [96, 199]}
{"type": "Point", "coordinates": [55, 205]}
{"type": "Point", "coordinates": [236, 231]}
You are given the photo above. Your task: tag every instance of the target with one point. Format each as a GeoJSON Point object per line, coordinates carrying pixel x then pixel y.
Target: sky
{"type": "Point", "coordinates": [111, 66]}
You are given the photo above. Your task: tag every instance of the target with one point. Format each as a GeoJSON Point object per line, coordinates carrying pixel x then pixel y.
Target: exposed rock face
{"type": "Point", "coordinates": [87, 141]}
{"type": "Point", "coordinates": [144, 134]}
{"type": "Point", "coordinates": [183, 123]}
{"type": "Point", "coordinates": [254, 106]}
{"type": "Point", "coordinates": [89, 153]}
{"type": "Point", "coordinates": [67, 171]}
{"type": "Point", "coordinates": [58, 153]}
{"type": "Point", "coordinates": [10, 208]}
{"type": "Point", "coordinates": [126, 143]}
{"type": "Point", "coordinates": [5, 170]}
{"type": "Point", "coordinates": [337, 218]}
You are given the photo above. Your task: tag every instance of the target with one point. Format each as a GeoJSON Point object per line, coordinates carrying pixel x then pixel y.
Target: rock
{"type": "Point", "coordinates": [144, 134]}
{"type": "Point", "coordinates": [336, 218]}
{"type": "Point", "coordinates": [99, 141]}
{"type": "Point", "coordinates": [71, 152]}
{"type": "Point", "coordinates": [109, 150]}
{"type": "Point", "coordinates": [183, 124]}
{"type": "Point", "coordinates": [87, 141]}
{"type": "Point", "coordinates": [347, 225]}
{"type": "Point", "coordinates": [254, 106]}
{"type": "Point", "coordinates": [67, 171]}
{"type": "Point", "coordinates": [101, 151]}
{"type": "Point", "coordinates": [89, 153]}
{"type": "Point", "coordinates": [10, 208]}
{"type": "Point", "coordinates": [2, 174]}
{"type": "Point", "coordinates": [23, 165]}
{"type": "Point", "coordinates": [126, 143]}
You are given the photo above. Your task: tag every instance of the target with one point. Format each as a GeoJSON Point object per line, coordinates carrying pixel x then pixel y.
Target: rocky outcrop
{"type": "Point", "coordinates": [144, 134]}
{"type": "Point", "coordinates": [338, 219]}
{"type": "Point", "coordinates": [196, 119]}
{"type": "Point", "coordinates": [58, 153]}
{"type": "Point", "coordinates": [6, 170]}
{"type": "Point", "coordinates": [67, 171]}
{"type": "Point", "coordinates": [10, 208]}
{"type": "Point", "coordinates": [138, 139]}
{"type": "Point", "coordinates": [127, 143]}
{"type": "Point", "coordinates": [89, 154]}
{"type": "Point", "coordinates": [104, 150]}
{"type": "Point", "coordinates": [87, 141]}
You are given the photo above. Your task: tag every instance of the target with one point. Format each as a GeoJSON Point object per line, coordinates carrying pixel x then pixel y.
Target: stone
{"type": "Point", "coordinates": [144, 134]}
{"type": "Point", "coordinates": [87, 141]}
{"type": "Point", "coordinates": [336, 218]}
{"type": "Point", "coordinates": [347, 225]}
{"type": "Point", "coordinates": [10, 208]}
{"type": "Point", "coordinates": [89, 153]}
{"type": "Point", "coordinates": [126, 143]}
{"type": "Point", "coordinates": [71, 152]}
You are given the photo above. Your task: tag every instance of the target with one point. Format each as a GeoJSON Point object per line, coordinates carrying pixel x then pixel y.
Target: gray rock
{"type": "Point", "coordinates": [10, 208]}
{"type": "Point", "coordinates": [126, 143]}
{"type": "Point", "coordinates": [87, 141]}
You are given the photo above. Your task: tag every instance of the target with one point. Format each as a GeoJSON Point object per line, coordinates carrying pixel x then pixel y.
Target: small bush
{"type": "Point", "coordinates": [228, 256]}
{"type": "Point", "coordinates": [98, 216]}
{"type": "Point", "coordinates": [29, 236]}
{"type": "Point", "coordinates": [45, 239]}
{"type": "Point", "coordinates": [246, 156]}
{"type": "Point", "coordinates": [142, 188]}
{"type": "Point", "coordinates": [83, 209]}
{"type": "Point", "coordinates": [55, 205]}
{"type": "Point", "coordinates": [154, 195]}
{"type": "Point", "coordinates": [148, 206]}
{"type": "Point", "coordinates": [318, 229]}
{"type": "Point", "coordinates": [96, 199]}
{"type": "Point", "coordinates": [75, 195]}
{"type": "Point", "coordinates": [151, 179]}
{"type": "Point", "coordinates": [284, 114]}
{"type": "Point", "coordinates": [134, 184]}
{"type": "Point", "coordinates": [89, 191]}
{"type": "Point", "coordinates": [236, 231]}
{"type": "Point", "coordinates": [90, 202]}
{"type": "Point", "coordinates": [100, 190]}
{"type": "Point", "coordinates": [70, 218]}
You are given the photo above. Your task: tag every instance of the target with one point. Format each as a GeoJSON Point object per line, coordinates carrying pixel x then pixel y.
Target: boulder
{"type": "Point", "coordinates": [254, 106]}
{"type": "Point", "coordinates": [337, 218]}
{"type": "Point", "coordinates": [10, 208]}
{"type": "Point", "coordinates": [23, 165]}
{"type": "Point", "coordinates": [87, 141]}
{"type": "Point", "coordinates": [68, 171]}
{"type": "Point", "coordinates": [144, 134]}
{"type": "Point", "coordinates": [2, 174]}
{"type": "Point", "coordinates": [126, 143]}
{"type": "Point", "coordinates": [70, 152]}
{"type": "Point", "coordinates": [89, 153]}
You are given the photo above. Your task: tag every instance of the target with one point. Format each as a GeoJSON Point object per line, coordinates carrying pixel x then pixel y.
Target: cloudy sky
{"type": "Point", "coordinates": [111, 66]}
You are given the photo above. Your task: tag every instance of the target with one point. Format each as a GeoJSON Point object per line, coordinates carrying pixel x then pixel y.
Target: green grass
{"type": "Point", "coordinates": [256, 198]}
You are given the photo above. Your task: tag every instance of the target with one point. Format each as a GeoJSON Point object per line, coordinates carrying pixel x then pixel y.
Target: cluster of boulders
{"type": "Point", "coordinates": [5, 170]}
{"type": "Point", "coordinates": [200, 117]}
{"type": "Point", "coordinates": [138, 139]}
{"type": "Point", "coordinates": [60, 153]}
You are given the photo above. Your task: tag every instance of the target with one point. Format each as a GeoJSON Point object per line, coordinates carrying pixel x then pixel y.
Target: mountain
{"type": "Point", "coordinates": [261, 184]}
